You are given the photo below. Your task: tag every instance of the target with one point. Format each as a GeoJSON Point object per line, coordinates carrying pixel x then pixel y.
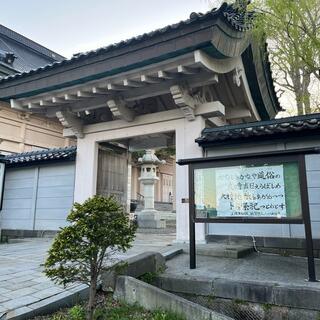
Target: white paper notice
{"type": "Point", "coordinates": [251, 192]}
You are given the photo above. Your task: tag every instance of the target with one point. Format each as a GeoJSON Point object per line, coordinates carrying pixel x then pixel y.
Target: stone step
{"type": "Point", "coordinates": [171, 224]}
{"type": "Point", "coordinates": [157, 231]}
{"type": "Point", "coordinates": [170, 253]}
{"type": "Point", "coordinates": [164, 215]}
{"type": "Point", "coordinates": [221, 250]}
{"type": "Point", "coordinates": [160, 206]}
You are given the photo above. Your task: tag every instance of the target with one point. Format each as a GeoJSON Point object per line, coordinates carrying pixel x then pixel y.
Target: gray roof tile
{"type": "Point", "coordinates": [28, 54]}
{"type": "Point", "coordinates": [41, 156]}
{"type": "Point", "coordinates": [260, 130]}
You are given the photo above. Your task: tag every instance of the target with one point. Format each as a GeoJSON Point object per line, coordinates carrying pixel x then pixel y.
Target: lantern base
{"type": "Point", "coordinates": [150, 219]}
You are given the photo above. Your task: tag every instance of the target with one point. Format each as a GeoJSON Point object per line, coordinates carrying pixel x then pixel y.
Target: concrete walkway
{"type": "Point", "coordinates": [258, 278]}
{"type": "Point", "coordinates": [264, 268]}
{"type": "Point", "coordinates": [23, 286]}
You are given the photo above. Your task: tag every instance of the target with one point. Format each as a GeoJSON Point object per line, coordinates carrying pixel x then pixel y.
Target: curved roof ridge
{"type": "Point", "coordinates": [229, 13]}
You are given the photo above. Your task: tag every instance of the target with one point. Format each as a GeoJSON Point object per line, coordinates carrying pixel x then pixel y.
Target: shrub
{"type": "Point", "coordinates": [99, 228]}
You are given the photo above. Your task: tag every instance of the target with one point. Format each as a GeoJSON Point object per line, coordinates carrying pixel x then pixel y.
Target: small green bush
{"type": "Point", "coordinates": [99, 228]}
{"type": "Point", "coordinates": [165, 315]}
{"type": "Point", "coordinates": [77, 313]}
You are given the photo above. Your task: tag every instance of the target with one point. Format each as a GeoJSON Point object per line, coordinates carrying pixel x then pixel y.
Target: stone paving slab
{"type": "Point", "coordinates": [270, 268]}
{"type": "Point", "coordinates": [260, 278]}
{"type": "Point", "coordinates": [23, 286]}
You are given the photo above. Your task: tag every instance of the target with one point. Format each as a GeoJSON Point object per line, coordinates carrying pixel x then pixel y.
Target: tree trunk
{"type": "Point", "coordinates": [92, 296]}
{"type": "Point", "coordinates": [306, 79]}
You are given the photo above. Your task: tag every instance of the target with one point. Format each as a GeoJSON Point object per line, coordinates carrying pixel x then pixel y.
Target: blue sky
{"type": "Point", "coordinates": [71, 26]}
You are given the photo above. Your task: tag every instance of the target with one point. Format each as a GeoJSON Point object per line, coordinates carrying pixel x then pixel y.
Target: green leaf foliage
{"type": "Point", "coordinates": [98, 229]}
{"type": "Point", "coordinates": [292, 29]}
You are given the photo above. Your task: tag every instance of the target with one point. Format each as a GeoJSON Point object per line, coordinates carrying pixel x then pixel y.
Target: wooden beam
{"type": "Point", "coordinates": [149, 79]}
{"type": "Point", "coordinates": [238, 114]}
{"type": "Point", "coordinates": [17, 105]}
{"type": "Point", "coordinates": [211, 109]}
{"type": "Point", "coordinates": [71, 97]}
{"type": "Point", "coordinates": [187, 70]}
{"type": "Point", "coordinates": [32, 105]}
{"type": "Point", "coordinates": [217, 121]}
{"type": "Point", "coordinates": [57, 100]}
{"type": "Point", "coordinates": [120, 110]}
{"type": "Point", "coordinates": [131, 83]}
{"type": "Point", "coordinates": [166, 75]}
{"type": "Point", "coordinates": [97, 90]}
{"type": "Point", "coordinates": [46, 103]}
{"type": "Point", "coordinates": [115, 87]}
{"type": "Point", "coordinates": [71, 121]}
{"type": "Point", "coordinates": [237, 74]}
{"type": "Point", "coordinates": [163, 87]}
{"type": "Point", "coordinates": [216, 65]}
{"type": "Point", "coordinates": [84, 94]}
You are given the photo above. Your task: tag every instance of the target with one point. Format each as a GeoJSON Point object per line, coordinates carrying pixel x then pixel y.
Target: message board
{"type": "Point", "coordinates": [254, 191]}
{"type": "Point", "coordinates": [251, 191]}
{"type": "Point", "coordinates": [257, 189]}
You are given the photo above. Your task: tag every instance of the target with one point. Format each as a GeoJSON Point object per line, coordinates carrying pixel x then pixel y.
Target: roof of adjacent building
{"type": "Point", "coordinates": [56, 154]}
{"type": "Point", "coordinates": [228, 12]}
{"type": "Point", "coordinates": [28, 54]}
{"type": "Point", "coordinates": [261, 130]}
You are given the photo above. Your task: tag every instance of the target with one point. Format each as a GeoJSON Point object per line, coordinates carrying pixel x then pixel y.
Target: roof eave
{"type": "Point", "coordinates": [188, 35]}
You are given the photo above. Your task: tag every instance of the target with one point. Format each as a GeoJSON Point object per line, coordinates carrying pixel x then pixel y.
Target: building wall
{"type": "Point", "coordinates": [37, 197]}
{"type": "Point", "coordinates": [282, 230]}
{"type": "Point", "coordinates": [21, 132]}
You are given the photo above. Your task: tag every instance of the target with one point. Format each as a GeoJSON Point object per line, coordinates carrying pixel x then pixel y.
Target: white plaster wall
{"type": "Point", "coordinates": [271, 230]}
{"type": "Point", "coordinates": [186, 148]}
{"type": "Point", "coordinates": [169, 121]}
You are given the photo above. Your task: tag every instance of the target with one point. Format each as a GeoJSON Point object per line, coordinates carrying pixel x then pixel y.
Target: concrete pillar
{"type": "Point", "coordinates": [186, 133]}
{"type": "Point", "coordinates": [86, 169]}
{"type": "Point", "coordinates": [174, 204]}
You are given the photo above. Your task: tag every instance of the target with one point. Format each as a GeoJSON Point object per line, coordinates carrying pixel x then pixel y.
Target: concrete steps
{"type": "Point", "coordinates": [221, 250]}
{"type": "Point", "coordinates": [160, 206]}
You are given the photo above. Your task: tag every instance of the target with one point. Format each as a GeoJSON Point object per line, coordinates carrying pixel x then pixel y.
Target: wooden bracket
{"type": "Point", "coordinates": [71, 121]}
{"type": "Point", "coordinates": [184, 101]}
{"type": "Point", "coordinates": [120, 110]}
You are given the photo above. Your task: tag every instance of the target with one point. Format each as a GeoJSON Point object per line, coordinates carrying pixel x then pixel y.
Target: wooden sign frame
{"type": "Point", "coordinates": [253, 159]}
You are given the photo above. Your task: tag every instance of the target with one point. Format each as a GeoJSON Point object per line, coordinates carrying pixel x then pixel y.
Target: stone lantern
{"type": "Point", "coordinates": [149, 217]}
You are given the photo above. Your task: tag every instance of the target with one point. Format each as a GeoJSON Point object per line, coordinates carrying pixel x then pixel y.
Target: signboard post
{"type": "Point", "coordinates": [2, 172]}
{"type": "Point", "coordinates": [250, 189]}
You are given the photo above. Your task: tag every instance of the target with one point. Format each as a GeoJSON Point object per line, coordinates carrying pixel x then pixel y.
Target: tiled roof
{"type": "Point", "coordinates": [260, 129]}
{"type": "Point", "coordinates": [227, 12]}
{"type": "Point", "coordinates": [42, 155]}
{"type": "Point", "coordinates": [25, 53]}
{"type": "Point", "coordinates": [29, 43]}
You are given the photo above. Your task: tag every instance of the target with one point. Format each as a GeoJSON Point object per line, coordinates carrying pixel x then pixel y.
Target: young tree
{"type": "Point", "coordinates": [292, 29]}
{"type": "Point", "coordinates": [99, 228]}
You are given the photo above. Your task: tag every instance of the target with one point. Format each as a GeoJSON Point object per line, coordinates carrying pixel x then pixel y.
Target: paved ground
{"type": "Point", "coordinates": [22, 282]}
{"type": "Point", "coordinates": [255, 267]}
